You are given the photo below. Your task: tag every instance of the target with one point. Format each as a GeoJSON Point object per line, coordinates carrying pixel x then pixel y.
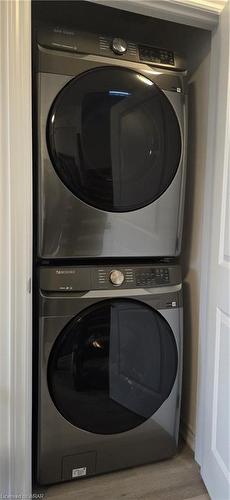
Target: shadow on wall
{"type": "Point", "coordinates": [190, 354]}
{"type": "Point", "coordinates": [189, 209]}
{"type": "Point", "coordinates": [190, 253]}
{"type": "Point", "coordinates": [198, 58]}
{"type": "Point", "coordinates": [194, 205]}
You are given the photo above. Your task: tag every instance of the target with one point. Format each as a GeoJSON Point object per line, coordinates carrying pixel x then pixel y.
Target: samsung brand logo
{"type": "Point", "coordinates": [64, 31]}
{"type": "Point", "coordinates": [65, 271]}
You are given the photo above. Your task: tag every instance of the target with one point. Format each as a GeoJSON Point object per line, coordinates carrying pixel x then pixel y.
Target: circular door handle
{"type": "Point", "coordinates": [116, 277]}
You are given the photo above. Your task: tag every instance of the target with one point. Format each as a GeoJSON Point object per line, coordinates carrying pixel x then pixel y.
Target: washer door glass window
{"type": "Point", "coordinates": [112, 366]}
{"type": "Point", "coordinates": [114, 139]}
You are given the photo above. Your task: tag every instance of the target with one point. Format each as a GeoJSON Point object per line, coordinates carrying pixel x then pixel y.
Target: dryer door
{"type": "Point", "coordinates": [114, 139]}
{"type": "Point", "coordinates": [112, 366]}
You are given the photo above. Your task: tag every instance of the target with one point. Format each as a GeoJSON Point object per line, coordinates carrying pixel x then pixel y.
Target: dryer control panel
{"type": "Point", "coordinates": [70, 40]}
{"type": "Point", "coordinates": [108, 277]}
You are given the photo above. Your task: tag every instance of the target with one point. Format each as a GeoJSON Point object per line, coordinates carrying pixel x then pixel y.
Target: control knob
{"type": "Point", "coordinates": [116, 277]}
{"type": "Point", "coordinates": [119, 46]}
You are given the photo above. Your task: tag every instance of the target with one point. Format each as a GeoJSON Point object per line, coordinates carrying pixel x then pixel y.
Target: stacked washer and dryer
{"type": "Point", "coordinates": [110, 176]}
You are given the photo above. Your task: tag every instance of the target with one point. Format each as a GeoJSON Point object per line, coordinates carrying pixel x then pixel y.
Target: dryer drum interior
{"type": "Point", "coordinates": [112, 366]}
{"type": "Point", "coordinates": [114, 139]}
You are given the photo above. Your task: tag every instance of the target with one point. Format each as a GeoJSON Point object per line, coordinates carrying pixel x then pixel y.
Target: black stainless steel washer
{"type": "Point", "coordinates": [110, 364]}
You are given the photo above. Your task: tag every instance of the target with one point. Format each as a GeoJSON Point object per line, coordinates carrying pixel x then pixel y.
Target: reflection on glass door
{"type": "Point", "coordinates": [114, 139]}
{"type": "Point", "coordinates": [112, 366]}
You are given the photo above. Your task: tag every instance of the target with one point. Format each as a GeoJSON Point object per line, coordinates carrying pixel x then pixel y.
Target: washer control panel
{"type": "Point", "coordinates": [133, 277]}
{"type": "Point", "coordinates": [109, 277]}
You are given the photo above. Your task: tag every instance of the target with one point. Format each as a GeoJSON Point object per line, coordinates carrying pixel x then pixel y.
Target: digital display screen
{"type": "Point", "coordinates": [160, 56]}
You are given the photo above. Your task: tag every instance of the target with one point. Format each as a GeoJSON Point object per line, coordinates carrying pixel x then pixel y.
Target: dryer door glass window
{"type": "Point", "coordinates": [114, 139]}
{"type": "Point", "coordinates": [112, 366]}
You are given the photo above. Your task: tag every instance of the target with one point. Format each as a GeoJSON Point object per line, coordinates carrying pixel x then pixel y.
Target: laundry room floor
{"type": "Point", "coordinates": [174, 479]}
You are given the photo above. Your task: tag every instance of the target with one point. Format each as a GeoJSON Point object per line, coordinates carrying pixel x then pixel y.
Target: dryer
{"type": "Point", "coordinates": [109, 368]}
{"type": "Point", "coordinates": [111, 147]}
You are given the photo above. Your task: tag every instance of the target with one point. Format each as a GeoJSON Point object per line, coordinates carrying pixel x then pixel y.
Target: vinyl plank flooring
{"type": "Point", "coordinates": [200, 497]}
{"type": "Point", "coordinates": [174, 479]}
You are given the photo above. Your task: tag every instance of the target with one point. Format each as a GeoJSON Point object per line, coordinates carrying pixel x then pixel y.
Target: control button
{"type": "Point", "coordinates": [119, 46]}
{"type": "Point", "coordinates": [116, 277]}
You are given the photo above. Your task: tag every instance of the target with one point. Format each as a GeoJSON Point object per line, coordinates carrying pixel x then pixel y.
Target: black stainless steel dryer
{"type": "Point", "coordinates": [111, 147]}
{"type": "Point", "coordinates": [110, 366]}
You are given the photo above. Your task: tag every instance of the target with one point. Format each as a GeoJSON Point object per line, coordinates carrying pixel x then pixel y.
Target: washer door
{"type": "Point", "coordinates": [114, 139]}
{"type": "Point", "coordinates": [112, 366]}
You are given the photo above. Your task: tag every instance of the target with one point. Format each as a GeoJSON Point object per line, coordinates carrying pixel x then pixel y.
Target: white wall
{"type": "Point", "coordinates": [192, 237]}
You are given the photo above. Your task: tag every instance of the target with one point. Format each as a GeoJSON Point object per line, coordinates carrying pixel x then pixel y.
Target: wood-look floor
{"type": "Point", "coordinates": [174, 479]}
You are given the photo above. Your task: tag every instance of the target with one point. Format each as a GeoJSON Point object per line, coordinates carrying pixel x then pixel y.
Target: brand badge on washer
{"type": "Point", "coordinates": [81, 471]}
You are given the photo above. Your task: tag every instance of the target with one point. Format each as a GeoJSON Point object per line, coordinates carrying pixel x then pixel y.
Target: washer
{"type": "Point", "coordinates": [111, 131]}
{"type": "Point", "coordinates": [109, 368]}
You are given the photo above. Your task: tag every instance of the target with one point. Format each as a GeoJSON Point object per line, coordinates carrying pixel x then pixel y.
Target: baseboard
{"type": "Point", "coordinates": [188, 435]}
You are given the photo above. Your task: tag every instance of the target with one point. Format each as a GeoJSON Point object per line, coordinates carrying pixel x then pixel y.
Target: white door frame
{"type": "Point", "coordinates": [217, 166]}
{"type": "Point", "coordinates": [205, 246]}
{"type": "Point", "coordinates": [16, 240]}
{"type": "Point", "coordinates": [15, 248]}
